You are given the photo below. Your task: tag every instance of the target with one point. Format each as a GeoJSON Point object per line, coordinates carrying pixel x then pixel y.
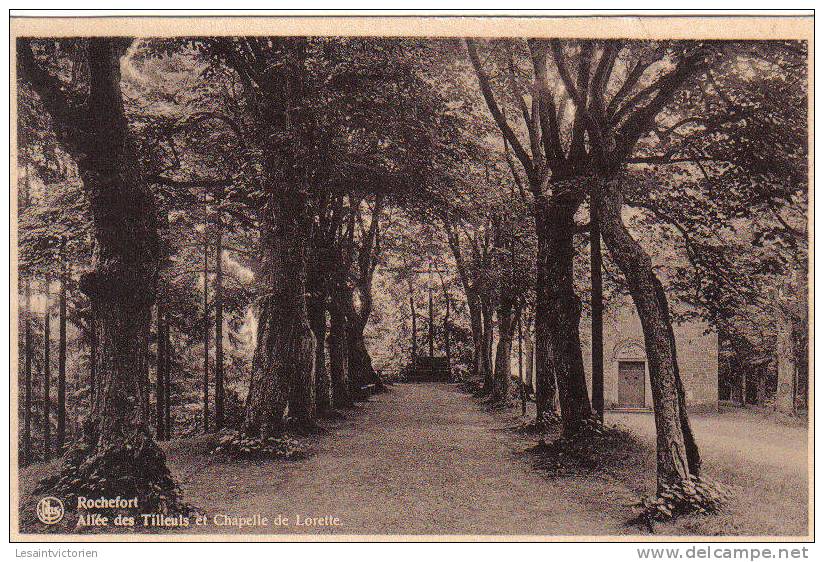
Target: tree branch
{"type": "Point", "coordinates": [499, 117]}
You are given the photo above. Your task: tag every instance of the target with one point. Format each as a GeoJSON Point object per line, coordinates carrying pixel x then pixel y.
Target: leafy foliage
{"type": "Point", "coordinates": [236, 445]}
{"type": "Point", "coordinates": [695, 495]}
{"type": "Point", "coordinates": [593, 448]}
{"type": "Point", "coordinates": [135, 470]}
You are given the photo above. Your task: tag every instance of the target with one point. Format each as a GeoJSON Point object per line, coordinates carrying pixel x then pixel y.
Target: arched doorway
{"type": "Point", "coordinates": [630, 368]}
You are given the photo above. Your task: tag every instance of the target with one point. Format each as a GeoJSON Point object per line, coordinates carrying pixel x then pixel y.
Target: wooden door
{"type": "Point", "coordinates": [631, 384]}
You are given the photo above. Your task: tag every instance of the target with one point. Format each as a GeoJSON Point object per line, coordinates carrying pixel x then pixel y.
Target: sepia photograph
{"type": "Point", "coordinates": [384, 278]}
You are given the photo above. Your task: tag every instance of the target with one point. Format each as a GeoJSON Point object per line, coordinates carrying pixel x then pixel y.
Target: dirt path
{"type": "Point", "coordinates": [421, 459]}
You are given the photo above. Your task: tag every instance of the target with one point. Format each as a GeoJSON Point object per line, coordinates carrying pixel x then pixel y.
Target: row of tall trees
{"type": "Point", "coordinates": [278, 174]}
{"type": "Point", "coordinates": [590, 121]}
{"type": "Point", "coordinates": [288, 142]}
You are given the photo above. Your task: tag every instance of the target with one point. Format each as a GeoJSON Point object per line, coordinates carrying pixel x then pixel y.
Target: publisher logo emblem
{"type": "Point", "coordinates": [50, 510]}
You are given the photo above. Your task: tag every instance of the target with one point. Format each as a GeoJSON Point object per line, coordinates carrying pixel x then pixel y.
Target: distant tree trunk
{"type": "Point", "coordinates": [61, 357]}
{"type": "Point", "coordinates": [338, 359]}
{"type": "Point", "coordinates": [168, 361]}
{"type": "Point", "coordinates": [597, 305]}
{"type": "Point", "coordinates": [785, 360]}
{"type": "Point", "coordinates": [677, 453]}
{"type": "Point", "coordinates": [529, 357]}
{"type": "Point", "coordinates": [507, 320]}
{"type": "Point", "coordinates": [219, 390]}
{"type": "Point", "coordinates": [560, 311]}
{"type": "Point", "coordinates": [431, 326]}
{"type": "Point", "coordinates": [92, 360]}
{"type": "Point", "coordinates": [47, 376]}
{"type": "Point", "coordinates": [446, 329]}
{"type": "Point", "coordinates": [414, 330]}
{"type": "Point", "coordinates": [323, 380]}
{"type": "Point", "coordinates": [160, 391]}
{"type": "Point", "coordinates": [486, 345]}
{"type": "Point", "coordinates": [27, 454]}
{"type": "Point", "coordinates": [206, 317]}
{"type": "Point", "coordinates": [744, 391]}
{"type": "Point", "coordinates": [476, 325]}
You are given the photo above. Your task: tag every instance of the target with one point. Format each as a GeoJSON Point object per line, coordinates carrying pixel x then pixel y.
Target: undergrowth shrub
{"type": "Point", "coordinates": [693, 495]}
{"type": "Point", "coordinates": [235, 444]}
{"type": "Point", "coordinates": [547, 424]}
{"type": "Point", "coordinates": [594, 447]}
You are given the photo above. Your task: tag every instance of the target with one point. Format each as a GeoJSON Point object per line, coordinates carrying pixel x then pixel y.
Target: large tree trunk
{"type": "Point", "coordinates": [123, 284]}
{"type": "Point", "coordinates": [121, 287]}
{"type": "Point", "coordinates": [302, 394]}
{"type": "Point", "coordinates": [785, 360]}
{"type": "Point", "coordinates": [338, 359]}
{"type": "Point", "coordinates": [560, 312]}
{"type": "Point", "coordinates": [545, 383]}
{"type": "Point", "coordinates": [597, 305]}
{"type": "Point", "coordinates": [284, 357]}
{"type": "Point", "coordinates": [360, 362]}
{"type": "Point", "coordinates": [677, 453]}
{"type": "Point", "coordinates": [360, 370]}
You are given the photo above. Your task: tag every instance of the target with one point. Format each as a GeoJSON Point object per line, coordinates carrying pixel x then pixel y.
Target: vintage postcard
{"type": "Point", "coordinates": [424, 278]}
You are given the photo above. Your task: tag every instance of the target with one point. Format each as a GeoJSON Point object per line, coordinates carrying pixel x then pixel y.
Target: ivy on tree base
{"type": "Point", "coordinates": [134, 469]}
{"type": "Point", "coordinates": [694, 495]}
{"type": "Point", "coordinates": [593, 447]}
{"type": "Point", "coordinates": [548, 423]}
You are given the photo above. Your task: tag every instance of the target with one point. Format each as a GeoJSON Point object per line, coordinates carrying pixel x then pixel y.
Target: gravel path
{"type": "Point", "coordinates": [420, 459]}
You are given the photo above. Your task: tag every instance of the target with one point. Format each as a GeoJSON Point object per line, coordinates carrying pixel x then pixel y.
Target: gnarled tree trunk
{"type": "Point", "coordinates": [284, 356]}
{"type": "Point", "coordinates": [559, 313]}
{"type": "Point", "coordinates": [121, 287]}
{"type": "Point", "coordinates": [283, 361]}
{"type": "Point", "coordinates": [677, 453]}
